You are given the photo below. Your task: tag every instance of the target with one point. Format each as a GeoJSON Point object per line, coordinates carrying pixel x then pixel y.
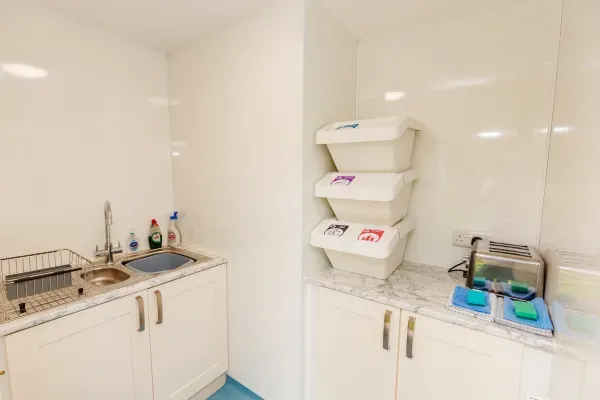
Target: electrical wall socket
{"type": "Point", "coordinates": [463, 237]}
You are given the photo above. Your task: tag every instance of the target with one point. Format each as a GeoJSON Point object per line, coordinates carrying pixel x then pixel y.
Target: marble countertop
{"type": "Point", "coordinates": [424, 290]}
{"type": "Point", "coordinates": [103, 294]}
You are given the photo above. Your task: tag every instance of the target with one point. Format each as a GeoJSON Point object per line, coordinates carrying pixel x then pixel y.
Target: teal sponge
{"type": "Point", "coordinates": [476, 298]}
{"type": "Point", "coordinates": [524, 309]}
{"type": "Point", "coordinates": [519, 287]}
{"type": "Point", "coordinates": [479, 281]}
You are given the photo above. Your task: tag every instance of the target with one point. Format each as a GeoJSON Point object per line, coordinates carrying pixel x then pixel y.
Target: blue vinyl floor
{"type": "Point", "coordinates": [233, 390]}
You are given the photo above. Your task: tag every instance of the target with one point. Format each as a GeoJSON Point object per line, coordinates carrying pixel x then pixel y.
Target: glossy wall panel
{"type": "Point", "coordinates": [572, 202]}
{"type": "Point", "coordinates": [236, 125]}
{"type": "Point", "coordinates": [83, 119]}
{"type": "Point", "coordinates": [483, 85]}
{"type": "Point", "coordinates": [329, 95]}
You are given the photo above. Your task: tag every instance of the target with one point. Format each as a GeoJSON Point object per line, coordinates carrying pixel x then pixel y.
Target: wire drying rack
{"type": "Point", "coordinates": [38, 282]}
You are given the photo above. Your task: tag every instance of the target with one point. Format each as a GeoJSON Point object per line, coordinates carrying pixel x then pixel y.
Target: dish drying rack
{"type": "Point", "coordinates": [41, 281]}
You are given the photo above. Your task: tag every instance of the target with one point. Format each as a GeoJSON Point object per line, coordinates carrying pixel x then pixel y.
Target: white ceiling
{"type": "Point", "coordinates": [168, 24]}
{"type": "Point", "coordinates": [368, 17]}
{"type": "Point", "coordinates": [160, 24]}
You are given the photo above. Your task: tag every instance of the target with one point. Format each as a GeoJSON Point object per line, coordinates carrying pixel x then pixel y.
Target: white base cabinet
{"type": "Point", "coordinates": [189, 345]}
{"type": "Point", "coordinates": [356, 350]}
{"type": "Point", "coordinates": [590, 389]}
{"type": "Point", "coordinates": [167, 342]}
{"type": "Point", "coordinates": [96, 354]}
{"type": "Point", "coordinates": [425, 359]}
{"type": "Point", "coordinates": [547, 376]}
{"type": "Point", "coordinates": [445, 361]}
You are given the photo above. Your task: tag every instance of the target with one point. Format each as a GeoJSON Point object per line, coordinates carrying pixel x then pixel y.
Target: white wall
{"type": "Point", "coordinates": [571, 205]}
{"type": "Point", "coordinates": [330, 65]}
{"type": "Point", "coordinates": [329, 95]}
{"type": "Point", "coordinates": [85, 133]}
{"type": "Point", "coordinates": [483, 84]}
{"type": "Point", "coordinates": [237, 125]}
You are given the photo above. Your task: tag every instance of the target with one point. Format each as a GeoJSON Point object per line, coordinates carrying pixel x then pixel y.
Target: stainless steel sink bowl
{"type": "Point", "coordinates": [157, 261]}
{"type": "Point", "coordinates": [105, 276]}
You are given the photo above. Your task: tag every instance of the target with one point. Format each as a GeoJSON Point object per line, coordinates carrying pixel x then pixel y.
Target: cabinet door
{"type": "Point", "coordinates": [189, 343]}
{"type": "Point", "coordinates": [96, 354]}
{"type": "Point", "coordinates": [591, 382]}
{"type": "Point", "coordinates": [449, 362]}
{"type": "Point", "coordinates": [356, 350]}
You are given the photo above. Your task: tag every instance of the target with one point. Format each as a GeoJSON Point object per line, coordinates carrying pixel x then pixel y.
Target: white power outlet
{"type": "Point", "coordinates": [463, 237]}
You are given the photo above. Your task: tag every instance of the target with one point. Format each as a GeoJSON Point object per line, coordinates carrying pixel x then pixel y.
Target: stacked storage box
{"type": "Point", "coordinates": [369, 196]}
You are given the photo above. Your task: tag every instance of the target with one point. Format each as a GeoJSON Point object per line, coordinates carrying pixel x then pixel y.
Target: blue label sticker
{"type": "Point", "coordinates": [353, 126]}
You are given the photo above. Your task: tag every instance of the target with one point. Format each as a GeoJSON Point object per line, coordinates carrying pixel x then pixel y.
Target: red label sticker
{"type": "Point", "coordinates": [370, 235]}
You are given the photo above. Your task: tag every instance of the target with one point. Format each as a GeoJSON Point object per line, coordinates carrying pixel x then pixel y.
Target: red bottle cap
{"type": "Point", "coordinates": [154, 222]}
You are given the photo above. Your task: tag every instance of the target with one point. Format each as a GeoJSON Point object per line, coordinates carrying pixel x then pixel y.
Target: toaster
{"type": "Point", "coordinates": [511, 270]}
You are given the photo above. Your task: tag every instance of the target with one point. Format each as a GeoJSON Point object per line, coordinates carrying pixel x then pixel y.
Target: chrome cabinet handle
{"type": "Point", "coordinates": [142, 315]}
{"type": "Point", "coordinates": [410, 337]}
{"type": "Point", "coordinates": [386, 329]}
{"type": "Point", "coordinates": [160, 306]}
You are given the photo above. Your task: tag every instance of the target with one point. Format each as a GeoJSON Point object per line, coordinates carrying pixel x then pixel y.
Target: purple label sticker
{"type": "Point", "coordinates": [342, 180]}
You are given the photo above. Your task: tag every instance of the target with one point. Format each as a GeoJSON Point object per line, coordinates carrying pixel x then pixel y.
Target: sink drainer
{"type": "Point", "coordinates": [38, 282]}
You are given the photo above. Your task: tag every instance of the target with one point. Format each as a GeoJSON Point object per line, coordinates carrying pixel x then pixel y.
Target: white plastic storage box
{"type": "Point", "coordinates": [372, 145]}
{"type": "Point", "coordinates": [573, 295]}
{"type": "Point", "coordinates": [364, 249]}
{"type": "Point", "coordinates": [380, 199]}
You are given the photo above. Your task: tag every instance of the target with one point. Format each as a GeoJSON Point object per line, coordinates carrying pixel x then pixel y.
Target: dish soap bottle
{"type": "Point", "coordinates": [174, 237]}
{"type": "Point", "coordinates": [133, 243]}
{"type": "Point", "coordinates": [155, 237]}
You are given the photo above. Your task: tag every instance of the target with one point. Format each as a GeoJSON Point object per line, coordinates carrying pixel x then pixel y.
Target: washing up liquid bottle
{"type": "Point", "coordinates": [155, 237]}
{"type": "Point", "coordinates": [174, 237]}
{"type": "Point", "coordinates": [133, 243]}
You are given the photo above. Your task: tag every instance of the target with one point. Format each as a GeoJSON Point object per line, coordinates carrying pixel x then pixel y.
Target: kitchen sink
{"type": "Point", "coordinates": [161, 261]}
{"type": "Point", "coordinates": [105, 276]}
